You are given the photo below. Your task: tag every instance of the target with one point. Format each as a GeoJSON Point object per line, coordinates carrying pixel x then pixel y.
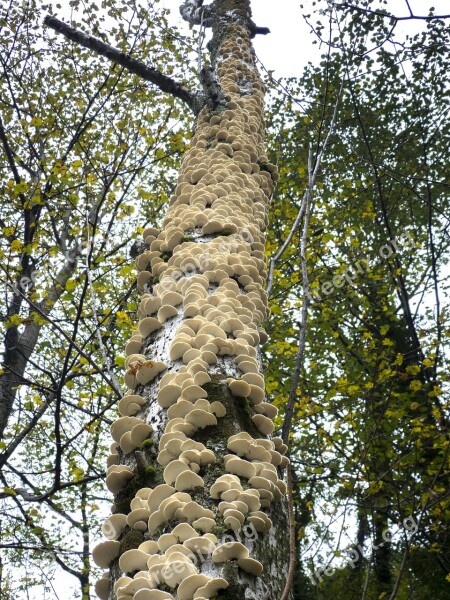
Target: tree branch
{"type": "Point", "coordinates": [292, 538]}
{"type": "Point", "coordinates": [164, 83]}
{"type": "Point", "coordinates": [379, 13]}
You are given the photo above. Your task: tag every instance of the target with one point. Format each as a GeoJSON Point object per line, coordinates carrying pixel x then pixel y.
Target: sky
{"type": "Point", "coordinates": [289, 46]}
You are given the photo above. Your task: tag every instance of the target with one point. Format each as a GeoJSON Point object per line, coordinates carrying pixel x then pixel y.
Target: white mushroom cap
{"type": "Point", "coordinates": [133, 346]}
{"type": "Point", "coordinates": [122, 425]}
{"type": "Point", "coordinates": [104, 553]}
{"type": "Point", "coordinates": [121, 583]}
{"type": "Point", "coordinates": [194, 392]}
{"type": "Point", "coordinates": [230, 551]}
{"type": "Point", "coordinates": [156, 520]}
{"type": "Point", "coordinates": [240, 467]}
{"type": "Point", "coordinates": [134, 438]}
{"type": "Point", "coordinates": [149, 547]}
{"type": "Point", "coordinates": [178, 348]}
{"type": "Point", "coordinates": [232, 522]}
{"type": "Point", "coordinates": [151, 305]}
{"type": "Point", "coordinates": [117, 477]}
{"type": "Point", "coordinates": [139, 514]}
{"type": "Point", "coordinates": [204, 524]}
{"type": "Point", "coordinates": [152, 595]}
{"type": "Point", "coordinates": [133, 560]}
{"type": "Point", "coordinates": [175, 571]}
{"type": "Point", "coordinates": [102, 586]}
{"type": "Point", "coordinates": [254, 379]}
{"type": "Point", "coordinates": [129, 405]}
{"type": "Point", "coordinates": [218, 409]}
{"type": "Point", "coordinates": [280, 445]}
{"type": "Point", "coordinates": [177, 548]}
{"type": "Point", "coordinates": [179, 410]}
{"type": "Point", "coordinates": [264, 424]}
{"type": "Point", "coordinates": [267, 409]}
{"type": "Point", "coordinates": [256, 517]}
{"type": "Point", "coordinates": [250, 565]}
{"type": "Point", "coordinates": [239, 388]}
{"type": "Point", "coordinates": [173, 469]}
{"type": "Point", "coordinates": [148, 326]}
{"type": "Point", "coordinates": [114, 526]}
{"type": "Point", "coordinates": [166, 541]}
{"type": "Point", "coordinates": [166, 312]}
{"type": "Point", "coordinates": [284, 462]}
{"type": "Point", "coordinates": [200, 378]}
{"type": "Point", "coordinates": [172, 298]}
{"type": "Point", "coordinates": [158, 494]}
{"type": "Point", "coordinates": [230, 495]}
{"type": "Point", "coordinates": [149, 370]}
{"type": "Point", "coordinates": [200, 545]}
{"type": "Point", "coordinates": [168, 395]}
{"type": "Point", "coordinates": [141, 580]}
{"type": "Point", "coordinates": [187, 480]}
{"type": "Point", "coordinates": [211, 588]}
{"type": "Point", "coordinates": [183, 532]}
{"type": "Point", "coordinates": [201, 418]}
{"type": "Point", "coordinates": [193, 510]}
{"type": "Point", "coordinates": [251, 500]}
{"type": "Point", "coordinates": [190, 585]}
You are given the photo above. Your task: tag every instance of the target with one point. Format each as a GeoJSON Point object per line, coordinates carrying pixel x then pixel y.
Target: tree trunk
{"type": "Point", "coordinates": [198, 342]}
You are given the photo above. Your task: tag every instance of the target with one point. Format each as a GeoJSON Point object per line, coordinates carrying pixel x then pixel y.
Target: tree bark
{"type": "Point", "coordinates": [206, 268]}
{"type": "Point", "coordinates": [20, 346]}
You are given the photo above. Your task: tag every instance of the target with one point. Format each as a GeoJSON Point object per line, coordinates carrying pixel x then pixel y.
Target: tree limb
{"type": "Point", "coordinates": [164, 83]}
{"type": "Point", "coordinates": [292, 538]}
{"type": "Point", "coordinates": [379, 13]}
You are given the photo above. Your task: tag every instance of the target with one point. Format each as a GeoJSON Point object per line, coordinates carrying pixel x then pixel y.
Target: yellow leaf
{"type": "Point", "coordinates": [71, 284]}
{"type": "Point", "coordinates": [16, 246]}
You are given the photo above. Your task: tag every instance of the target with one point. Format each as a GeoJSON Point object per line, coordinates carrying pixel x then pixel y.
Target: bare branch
{"type": "Point", "coordinates": [306, 210]}
{"type": "Point", "coordinates": [45, 315]}
{"type": "Point", "coordinates": [292, 538]}
{"type": "Point", "coordinates": [164, 83]}
{"type": "Point", "coordinates": [309, 189]}
{"type": "Point", "coordinates": [105, 357]}
{"type": "Point", "coordinates": [289, 410]}
{"type": "Point", "coordinates": [386, 15]}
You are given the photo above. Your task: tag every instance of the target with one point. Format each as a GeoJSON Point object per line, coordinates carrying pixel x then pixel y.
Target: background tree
{"type": "Point", "coordinates": [372, 407]}
{"type": "Point", "coordinates": [79, 156]}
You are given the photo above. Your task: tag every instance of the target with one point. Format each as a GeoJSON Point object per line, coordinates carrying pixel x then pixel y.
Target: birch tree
{"type": "Point", "coordinates": [199, 505]}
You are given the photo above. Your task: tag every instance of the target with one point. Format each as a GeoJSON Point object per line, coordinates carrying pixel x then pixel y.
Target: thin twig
{"type": "Point", "coordinates": [367, 579]}
{"type": "Point", "coordinates": [309, 189]}
{"type": "Point", "coordinates": [306, 209]}
{"type": "Point", "coordinates": [292, 538]}
{"type": "Point", "coordinates": [290, 404]}
{"type": "Point", "coordinates": [386, 15]}
{"type": "Point", "coordinates": [60, 330]}
{"type": "Point", "coordinates": [106, 359]}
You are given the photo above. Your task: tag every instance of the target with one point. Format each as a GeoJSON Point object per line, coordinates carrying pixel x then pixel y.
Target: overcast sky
{"type": "Point", "coordinates": [289, 45]}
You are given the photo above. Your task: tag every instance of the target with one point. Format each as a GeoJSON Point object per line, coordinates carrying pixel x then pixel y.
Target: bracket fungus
{"type": "Point", "coordinates": [104, 553]}
{"type": "Point", "coordinates": [202, 275]}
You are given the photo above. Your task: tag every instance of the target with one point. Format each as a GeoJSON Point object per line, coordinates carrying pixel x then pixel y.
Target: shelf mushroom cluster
{"type": "Point", "coordinates": [207, 265]}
